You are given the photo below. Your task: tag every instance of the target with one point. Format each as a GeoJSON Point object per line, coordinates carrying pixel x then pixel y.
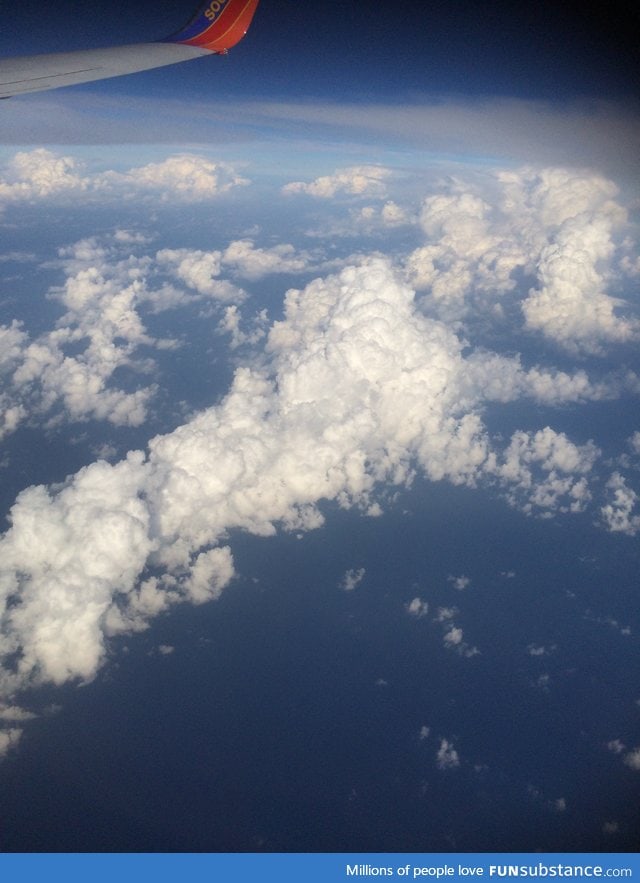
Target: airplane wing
{"type": "Point", "coordinates": [215, 28]}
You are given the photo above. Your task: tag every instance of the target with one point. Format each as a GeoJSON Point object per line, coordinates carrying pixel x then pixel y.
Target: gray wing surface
{"type": "Point", "coordinates": [35, 73]}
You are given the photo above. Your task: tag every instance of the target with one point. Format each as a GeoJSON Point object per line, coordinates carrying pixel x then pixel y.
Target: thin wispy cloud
{"type": "Point", "coordinates": [596, 133]}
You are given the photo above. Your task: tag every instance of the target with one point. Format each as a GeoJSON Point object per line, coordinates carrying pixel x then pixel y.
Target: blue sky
{"type": "Point", "coordinates": [350, 51]}
{"type": "Point", "coordinates": [319, 436]}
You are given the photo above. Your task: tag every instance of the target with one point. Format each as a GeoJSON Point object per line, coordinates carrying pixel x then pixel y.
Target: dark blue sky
{"type": "Point", "coordinates": [359, 51]}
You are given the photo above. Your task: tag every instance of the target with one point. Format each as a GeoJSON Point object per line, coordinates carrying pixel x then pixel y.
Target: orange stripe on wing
{"type": "Point", "coordinates": [221, 35]}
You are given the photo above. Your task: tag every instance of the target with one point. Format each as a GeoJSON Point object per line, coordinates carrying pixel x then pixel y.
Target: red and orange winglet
{"type": "Point", "coordinates": [218, 26]}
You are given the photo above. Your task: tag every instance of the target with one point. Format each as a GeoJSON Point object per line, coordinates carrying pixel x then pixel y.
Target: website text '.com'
{"type": "Point", "coordinates": [535, 870]}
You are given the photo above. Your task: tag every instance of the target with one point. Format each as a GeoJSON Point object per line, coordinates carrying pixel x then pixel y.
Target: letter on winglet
{"type": "Point", "coordinates": [218, 26]}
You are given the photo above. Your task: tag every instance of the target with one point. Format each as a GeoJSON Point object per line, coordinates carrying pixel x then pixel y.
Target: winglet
{"type": "Point", "coordinates": [218, 26]}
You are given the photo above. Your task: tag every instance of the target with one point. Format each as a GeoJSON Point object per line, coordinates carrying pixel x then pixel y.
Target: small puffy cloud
{"type": "Point", "coordinates": [15, 713]}
{"type": "Point", "coordinates": [417, 608]}
{"type": "Point", "coordinates": [243, 331]}
{"type": "Point", "coordinates": [389, 215]}
{"type": "Point", "coordinates": [611, 622]}
{"type": "Point", "coordinates": [199, 270]}
{"type": "Point", "coordinates": [447, 757]}
{"type": "Point", "coordinates": [210, 573]}
{"type": "Point", "coordinates": [352, 578]}
{"type": "Point", "coordinates": [424, 733]}
{"type": "Point", "coordinates": [9, 739]}
{"type": "Point", "coordinates": [446, 614]}
{"type": "Point", "coordinates": [453, 639]}
{"type": "Point", "coordinates": [553, 451]}
{"type": "Point", "coordinates": [618, 514]}
{"type": "Point", "coordinates": [13, 341]}
{"type": "Point", "coordinates": [185, 177]}
{"type": "Point", "coordinates": [393, 215]}
{"type": "Point", "coordinates": [632, 759]}
{"type": "Point", "coordinates": [553, 387]}
{"type": "Point", "coordinates": [504, 379]}
{"type": "Point", "coordinates": [130, 237]}
{"type": "Point", "coordinates": [459, 582]}
{"type": "Point", "coordinates": [366, 180]}
{"type": "Point", "coordinates": [538, 651]}
{"type": "Point", "coordinates": [249, 262]}
{"type": "Point", "coordinates": [545, 472]}
{"type": "Point", "coordinates": [542, 683]}
{"type": "Point", "coordinates": [11, 415]}
{"type": "Point", "coordinates": [616, 746]}
{"type": "Point", "coordinates": [38, 174]}
{"type": "Point", "coordinates": [558, 805]}
{"type": "Point", "coordinates": [453, 635]}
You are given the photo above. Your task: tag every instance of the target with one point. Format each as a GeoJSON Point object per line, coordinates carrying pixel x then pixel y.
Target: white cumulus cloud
{"type": "Point", "coordinates": [72, 366]}
{"type": "Point", "coordinates": [459, 582]}
{"type": "Point", "coordinates": [68, 372]}
{"type": "Point", "coordinates": [9, 739]}
{"type": "Point", "coordinates": [40, 174]}
{"type": "Point", "coordinates": [418, 608]}
{"type": "Point", "coordinates": [544, 471]}
{"type": "Point", "coordinates": [632, 759]}
{"type": "Point", "coordinates": [447, 757]}
{"type": "Point", "coordinates": [561, 226]}
{"type": "Point", "coordinates": [620, 515]}
{"type": "Point", "coordinates": [199, 271]}
{"type": "Point", "coordinates": [453, 639]}
{"type": "Point", "coordinates": [352, 579]}
{"type": "Point", "coordinates": [391, 214]}
{"type": "Point", "coordinates": [365, 180]}
{"type": "Point", "coordinates": [571, 305]}
{"type": "Point", "coordinates": [357, 388]}
{"type": "Point", "coordinates": [15, 713]}
{"type": "Point", "coordinates": [187, 177]}
{"type": "Point", "coordinates": [250, 262]}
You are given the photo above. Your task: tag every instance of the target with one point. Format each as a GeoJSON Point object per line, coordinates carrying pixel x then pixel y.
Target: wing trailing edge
{"type": "Point", "coordinates": [217, 27]}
